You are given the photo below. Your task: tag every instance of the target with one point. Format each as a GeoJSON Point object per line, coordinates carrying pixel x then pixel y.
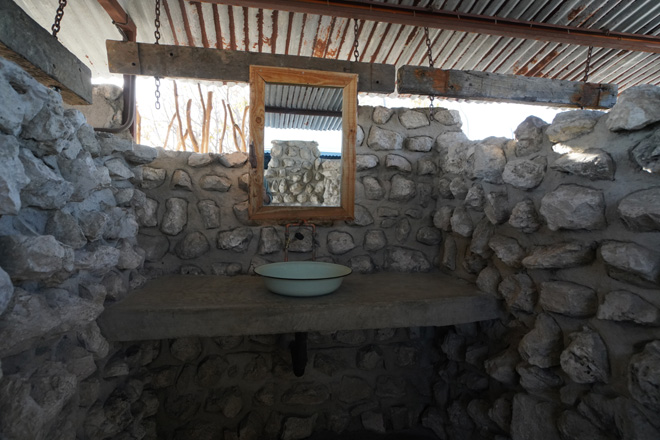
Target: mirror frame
{"type": "Point", "coordinates": [259, 76]}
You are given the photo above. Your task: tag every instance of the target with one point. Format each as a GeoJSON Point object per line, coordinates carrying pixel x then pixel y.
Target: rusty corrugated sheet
{"type": "Point", "coordinates": [86, 26]}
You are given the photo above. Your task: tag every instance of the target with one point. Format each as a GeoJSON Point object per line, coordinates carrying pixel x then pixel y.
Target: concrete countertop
{"type": "Point", "coordinates": [183, 305]}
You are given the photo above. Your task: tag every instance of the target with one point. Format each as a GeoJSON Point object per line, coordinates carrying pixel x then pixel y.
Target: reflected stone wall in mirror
{"type": "Point", "coordinates": [302, 150]}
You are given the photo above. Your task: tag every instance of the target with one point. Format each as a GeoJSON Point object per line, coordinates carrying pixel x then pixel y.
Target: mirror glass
{"type": "Point", "coordinates": [302, 152]}
{"type": "Point", "coordinates": [302, 145]}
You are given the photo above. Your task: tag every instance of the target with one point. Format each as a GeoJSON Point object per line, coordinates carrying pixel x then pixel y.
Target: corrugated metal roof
{"type": "Point", "coordinates": [86, 27]}
{"type": "Point", "coordinates": [300, 99]}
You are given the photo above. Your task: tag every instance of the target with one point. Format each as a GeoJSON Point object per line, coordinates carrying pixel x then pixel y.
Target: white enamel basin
{"type": "Point", "coordinates": [303, 278]}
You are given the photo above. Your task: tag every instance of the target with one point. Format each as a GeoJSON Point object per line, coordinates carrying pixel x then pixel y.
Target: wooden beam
{"type": "Point", "coordinates": [484, 86]}
{"type": "Point", "coordinates": [33, 48]}
{"type": "Point", "coordinates": [231, 65]}
{"type": "Point", "coordinates": [382, 12]}
{"type": "Point", "coordinates": [120, 18]}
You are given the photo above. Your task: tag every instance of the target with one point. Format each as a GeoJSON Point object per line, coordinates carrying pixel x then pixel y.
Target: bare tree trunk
{"type": "Point", "coordinates": [235, 128]}
{"type": "Point", "coordinates": [203, 148]}
{"type": "Point", "coordinates": [169, 128]}
{"type": "Point", "coordinates": [182, 140]}
{"type": "Point", "coordinates": [206, 129]}
{"type": "Point", "coordinates": [190, 128]}
{"type": "Point", "coordinates": [224, 126]}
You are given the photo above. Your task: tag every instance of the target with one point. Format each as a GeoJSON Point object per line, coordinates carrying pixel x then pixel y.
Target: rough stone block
{"type": "Point", "coordinates": [569, 125]}
{"type": "Point", "coordinates": [34, 258]}
{"type": "Point", "coordinates": [621, 305]}
{"type": "Point", "coordinates": [524, 173]}
{"type": "Point", "coordinates": [567, 298]}
{"type": "Point", "coordinates": [233, 160]}
{"type": "Point", "coordinates": [366, 162]}
{"type": "Point", "coordinates": [640, 211]}
{"type": "Point", "coordinates": [193, 245]}
{"type": "Point", "coordinates": [12, 176]}
{"type": "Point", "coordinates": [22, 97]}
{"type": "Point", "coordinates": [175, 217]}
{"type": "Point", "coordinates": [647, 155]}
{"type": "Point", "coordinates": [631, 262]}
{"type": "Point", "coordinates": [585, 360]}
{"type": "Point", "coordinates": [574, 207]}
{"type": "Point", "coordinates": [402, 189]}
{"type": "Point", "coordinates": [419, 143]}
{"type": "Point", "coordinates": [560, 256]}
{"type": "Point", "coordinates": [635, 108]}
{"type": "Point", "coordinates": [382, 114]}
{"type": "Point", "coordinates": [543, 345]}
{"type": "Point", "coordinates": [412, 119]}
{"type": "Point", "coordinates": [643, 374]}
{"type": "Point", "coordinates": [461, 222]}
{"type": "Point", "coordinates": [534, 418]}
{"type": "Point", "coordinates": [524, 217]}
{"type": "Point", "coordinates": [529, 136]}
{"type": "Point", "coordinates": [236, 240]}
{"type": "Point", "coordinates": [398, 162]}
{"type": "Point", "coordinates": [382, 139]}
{"type": "Point", "coordinates": [488, 161]}
{"type": "Point", "coordinates": [507, 249]}
{"type": "Point", "coordinates": [592, 163]}
{"type": "Point", "coordinates": [46, 189]}
{"type": "Point", "coordinates": [340, 242]}
{"type": "Point", "coordinates": [519, 292]}
{"type": "Point", "coordinates": [398, 259]}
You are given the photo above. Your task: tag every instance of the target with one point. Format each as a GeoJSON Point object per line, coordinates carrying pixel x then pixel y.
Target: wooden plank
{"type": "Point", "coordinates": [231, 65]}
{"type": "Point", "coordinates": [32, 47]}
{"type": "Point", "coordinates": [484, 86]}
{"type": "Point", "coordinates": [423, 16]}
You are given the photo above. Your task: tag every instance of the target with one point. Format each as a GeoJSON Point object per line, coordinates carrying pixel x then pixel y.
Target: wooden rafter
{"type": "Point", "coordinates": [457, 21]}
{"type": "Point", "coordinates": [229, 65]}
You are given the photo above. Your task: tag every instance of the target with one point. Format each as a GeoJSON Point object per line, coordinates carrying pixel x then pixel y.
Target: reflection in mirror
{"type": "Point", "coordinates": [302, 145]}
{"type": "Point", "coordinates": [303, 125]}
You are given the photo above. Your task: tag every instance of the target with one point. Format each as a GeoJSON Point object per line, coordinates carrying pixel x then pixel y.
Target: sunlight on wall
{"type": "Point", "coordinates": [480, 119]}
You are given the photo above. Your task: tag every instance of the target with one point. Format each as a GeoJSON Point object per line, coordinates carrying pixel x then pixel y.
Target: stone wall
{"type": "Point", "coordinates": [560, 223]}
{"type": "Point", "coordinates": [298, 176]}
{"type": "Point", "coordinates": [68, 246]}
{"type": "Point", "coordinates": [194, 219]}
{"type": "Point", "coordinates": [563, 224]}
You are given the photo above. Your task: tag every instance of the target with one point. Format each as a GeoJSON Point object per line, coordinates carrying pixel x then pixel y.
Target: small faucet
{"type": "Point", "coordinates": [299, 236]}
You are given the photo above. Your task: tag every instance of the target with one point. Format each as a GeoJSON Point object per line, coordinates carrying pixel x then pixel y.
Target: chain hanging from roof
{"type": "Point", "coordinates": [356, 43]}
{"type": "Point", "coordinates": [58, 18]}
{"type": "Point", "coordinates": [157, 35]}
{"type": "Point", "coordinates": [430, 55]}
{"type": "Point", "coordinates": [587, 65]}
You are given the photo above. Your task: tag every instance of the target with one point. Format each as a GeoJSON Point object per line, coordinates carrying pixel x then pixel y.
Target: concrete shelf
{"type": "Point", "coordinates": [178, 306]}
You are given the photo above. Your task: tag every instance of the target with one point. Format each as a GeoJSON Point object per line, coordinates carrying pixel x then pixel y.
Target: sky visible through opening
{"type": "Point", "coordinates": [480, 119]}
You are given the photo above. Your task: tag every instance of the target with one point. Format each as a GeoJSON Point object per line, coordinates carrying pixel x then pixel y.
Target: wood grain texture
{"type": "Point", "coordinates": [231, 65]}
{"type": "Point", "coordinates": [259, 76]}
{"type": "Point", "coordinates": [24, 42]}
{"type": "Point", "coordinates": [485, 86]}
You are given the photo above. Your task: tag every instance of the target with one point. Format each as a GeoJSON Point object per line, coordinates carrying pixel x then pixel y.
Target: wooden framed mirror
{"type": "Point", "coordinates": [303, 126]}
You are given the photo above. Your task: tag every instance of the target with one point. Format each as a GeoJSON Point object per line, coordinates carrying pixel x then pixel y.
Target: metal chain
{"type": "Point", "coordinates": [58, 18]}
{"type": "Point", "coordinates": [588, 65]}
{"type": "Point", "coordinates": [356, 53]}
{"type": "Point", "coordinates": [430, 55]}
{"type": "Point", "coordinates": [157, 35]}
